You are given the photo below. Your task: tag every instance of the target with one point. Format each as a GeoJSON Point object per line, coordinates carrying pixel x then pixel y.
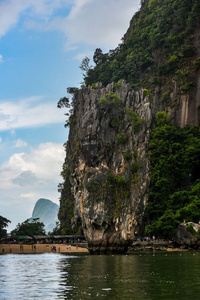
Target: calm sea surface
{"type": "Point", "coordinates": [136, 276]}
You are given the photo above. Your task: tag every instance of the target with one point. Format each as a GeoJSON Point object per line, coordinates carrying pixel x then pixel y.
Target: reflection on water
{"type": "Point", "coordinates": [138, 276]}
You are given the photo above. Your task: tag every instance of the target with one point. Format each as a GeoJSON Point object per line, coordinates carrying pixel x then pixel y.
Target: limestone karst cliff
{"type": "Point", "coordinates": [108, 163]}
{"type": "Point", "coordinates": [107, 166]}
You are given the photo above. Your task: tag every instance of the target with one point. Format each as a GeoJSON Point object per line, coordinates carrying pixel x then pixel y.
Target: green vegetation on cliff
{"type": "Point", "coordinates": [159, 44]}
{"type": "Point", "coordinates": [174, 194]}
{"type": "Point", "coordinates": [112, 190]}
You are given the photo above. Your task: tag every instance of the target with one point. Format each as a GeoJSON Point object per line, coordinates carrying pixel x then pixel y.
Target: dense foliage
{"type": "Point", "coordinates": [3, 224]}
{"type": "Point", "coordinates": [160, 43]}
{"type": "Point", "coordinates": [175, 180]}
{"type": "Point", "coordinates": [29, 228]}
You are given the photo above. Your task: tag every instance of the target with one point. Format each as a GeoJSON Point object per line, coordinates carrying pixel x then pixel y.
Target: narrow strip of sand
{"type": "Point", "coordinates": [41, 248]}
{"type": "Point", "coordinates": [176, 250]}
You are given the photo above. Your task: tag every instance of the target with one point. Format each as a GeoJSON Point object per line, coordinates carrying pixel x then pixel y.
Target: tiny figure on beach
{"type": "Point", "coordinates": [53, 248]}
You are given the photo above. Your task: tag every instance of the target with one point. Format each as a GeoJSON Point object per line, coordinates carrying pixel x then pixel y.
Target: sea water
{"type": "Point", "coordinates": [136, 276]}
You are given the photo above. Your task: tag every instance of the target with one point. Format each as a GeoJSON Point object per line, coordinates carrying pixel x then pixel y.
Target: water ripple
{"type": "Point", "coordinates": [60, 276]}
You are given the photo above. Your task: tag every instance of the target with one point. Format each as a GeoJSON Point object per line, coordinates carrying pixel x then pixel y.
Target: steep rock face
{"type": "Point", "coordinates": [108, 163]}
{"type": "Point", "coordinates": [107, 159]}
{"type": "Point", "coordinates": [184, 237]}
{"type": "Point", "coordinates": [183, 109]}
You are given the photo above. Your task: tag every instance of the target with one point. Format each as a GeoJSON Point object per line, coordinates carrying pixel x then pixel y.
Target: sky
{"type": "Point", "coordinates": [42, 44]}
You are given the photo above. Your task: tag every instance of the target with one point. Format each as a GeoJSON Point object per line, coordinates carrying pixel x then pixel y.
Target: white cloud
{"type": "Point", "coordinates": [29, 112]}
{"type": "Point", "coordinates": [1, 58]}
{"type": "Point", "coordinates": [0, 140]}
{"type": "Point", "coordinates": [19, 143]}
{"type": "Point", "coordinates": [97, 23]}
{"type": "Point", "coordinates": [12, 132]}
{"type": "Point", "coordinates": [12, 10]}
{"type": "Point", "coordinates": [26, 177]}
{"type": "Point", "coordinates": [93, 22]}
{"type": "Point", "coordinates": [44, 162]}
{"type": "Point", "coordinates": [30, 195]}
{"type": "Point", "coordinates": [80, 56]}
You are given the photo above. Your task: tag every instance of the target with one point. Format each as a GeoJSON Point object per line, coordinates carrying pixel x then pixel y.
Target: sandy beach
{"type": "Point", "coordinates": [40, 248]}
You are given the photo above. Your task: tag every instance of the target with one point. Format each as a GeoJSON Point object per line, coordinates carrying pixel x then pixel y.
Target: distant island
{"type": "Point", "coordinates": [47, 212]}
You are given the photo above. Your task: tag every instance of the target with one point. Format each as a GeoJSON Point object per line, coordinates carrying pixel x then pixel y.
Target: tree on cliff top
{"type": "Point", "coordinates": [85, 66]}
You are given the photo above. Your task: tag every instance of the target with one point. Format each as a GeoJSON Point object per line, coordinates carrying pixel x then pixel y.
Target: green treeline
{"type": "Point", "coordinates": [160, 45]}
{"type": "Point", "coordinates": [174, 194]}
{"type": "Point", "coordinates": [35, 227]}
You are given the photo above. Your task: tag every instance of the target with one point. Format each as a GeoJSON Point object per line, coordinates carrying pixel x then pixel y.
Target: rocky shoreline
{"type": "Point", "coordinates": [156, 246]}
{"type": "Point", "coordinates": [186, 238]}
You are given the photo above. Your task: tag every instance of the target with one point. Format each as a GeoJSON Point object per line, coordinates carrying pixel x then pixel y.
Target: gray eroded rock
{"type": "Point", "coordinates": [184, 237]}
{"type": "Point", "coordinates": [108, 162]}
